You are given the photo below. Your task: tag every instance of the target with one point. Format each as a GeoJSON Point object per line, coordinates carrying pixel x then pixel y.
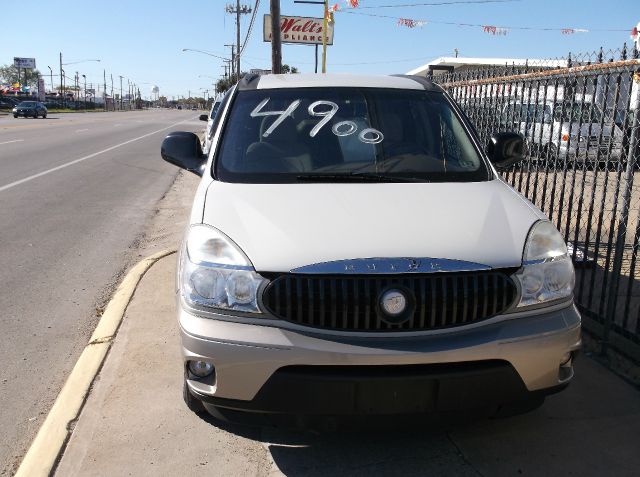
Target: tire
{"type": "Point", "coordinates": [15, 115]}
{"type": "Point", "coordinates": [194, 404]}
{"type": "Point", "coordinates": [35, 114]}
{"type": "Point", "coordinates": [44, 115]}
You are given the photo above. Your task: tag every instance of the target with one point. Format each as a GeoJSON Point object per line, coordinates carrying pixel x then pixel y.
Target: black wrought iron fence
{"type": "Point", "coordinates": [579, 118]}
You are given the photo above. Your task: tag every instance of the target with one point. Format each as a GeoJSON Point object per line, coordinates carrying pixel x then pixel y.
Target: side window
{"type": "Point", "coordinates": [216, 120]}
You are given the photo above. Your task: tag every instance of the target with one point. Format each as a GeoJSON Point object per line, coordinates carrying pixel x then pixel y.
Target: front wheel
{"type": "Point", "coordinates": [44, 115]}
{"type": "Point", "coordinates": [35, 114]}
{"type": "Point", "coordinates": [15, 115]}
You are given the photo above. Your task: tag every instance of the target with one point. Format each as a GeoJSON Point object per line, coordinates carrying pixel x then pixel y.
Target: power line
{"type": "Point", "coordinates": [432, 4]}
{"type": "Point", "coordinates": [439, 22]}
{"type": "Point", "coordinates": [253, 17]}
{"type": "Point", "coordinates": [422, 58]}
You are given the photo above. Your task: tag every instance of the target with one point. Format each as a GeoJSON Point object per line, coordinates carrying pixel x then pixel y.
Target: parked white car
{"type": "Point", "coordinates": [352, 250]}
{"type": "Point", "coordinates": [567, 130]}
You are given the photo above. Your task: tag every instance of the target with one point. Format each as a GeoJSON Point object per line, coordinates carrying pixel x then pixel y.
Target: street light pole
{"type": "Point", "coordinates": [51, 72]}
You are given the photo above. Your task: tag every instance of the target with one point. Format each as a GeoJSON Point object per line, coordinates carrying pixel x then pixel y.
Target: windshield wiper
{"type": "Point", "coordinates": [356, 177]}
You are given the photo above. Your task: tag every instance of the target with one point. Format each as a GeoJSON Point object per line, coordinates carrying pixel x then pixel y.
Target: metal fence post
{"type": "Point", "coordinates": [622, 226]}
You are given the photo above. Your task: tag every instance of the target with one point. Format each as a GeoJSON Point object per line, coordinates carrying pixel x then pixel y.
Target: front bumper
{"type": "Point", "coordinates": [258, 367]}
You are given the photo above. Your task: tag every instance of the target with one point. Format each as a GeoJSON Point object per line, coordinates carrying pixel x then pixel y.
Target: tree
{"type": "Point", "coordinates": [10, 74]}
{"type": "Point", "coordinates": [286, 69]}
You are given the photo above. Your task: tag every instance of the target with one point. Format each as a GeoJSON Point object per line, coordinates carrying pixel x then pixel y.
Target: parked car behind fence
{"type": "Point", "coordinates": [583, 130]}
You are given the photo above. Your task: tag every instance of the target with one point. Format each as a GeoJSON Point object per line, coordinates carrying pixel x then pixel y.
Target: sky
{"type": "Point", "coordinates": [143, 40]}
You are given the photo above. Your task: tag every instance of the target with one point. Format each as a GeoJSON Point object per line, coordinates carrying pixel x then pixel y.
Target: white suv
{"type": "Point", "coordinates": [567, 130]}
{"type": "Point", "coordinates": [352, 250]}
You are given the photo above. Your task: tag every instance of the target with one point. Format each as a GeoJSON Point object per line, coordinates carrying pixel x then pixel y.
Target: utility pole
{"type": "Point", "coordinates": [112, 97]}
{"type": "Point", "coordinates": [232, 63]}
{"type": "Point", "coordinates": [61, 93]}
{"type": "Point", "coordinates": [238, 10]}
{"type": "Point", "coordinates": [324, 36]}
{"type": "Point", "coordinates": [121, 92]}
{"type": "Point", "coordinates": [104, 92]}
{"type": "Point", "coordinates": [276, 38]}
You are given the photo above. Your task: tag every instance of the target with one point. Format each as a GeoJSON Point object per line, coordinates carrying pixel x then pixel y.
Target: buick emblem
{"type": "Point", "coordinates": [393, 303]}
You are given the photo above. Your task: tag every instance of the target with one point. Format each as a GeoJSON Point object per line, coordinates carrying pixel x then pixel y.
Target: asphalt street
{"type": "Point", "coordinates": [76, 191]}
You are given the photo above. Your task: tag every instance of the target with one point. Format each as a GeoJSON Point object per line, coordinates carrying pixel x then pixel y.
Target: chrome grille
{"type": "Point", "coordinates": [351, 302]}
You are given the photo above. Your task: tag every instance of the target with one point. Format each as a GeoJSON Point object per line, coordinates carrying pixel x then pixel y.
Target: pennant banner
{"type": "Point", "coordinates": [493, 30]}
{"type": "Point", "coordinates": [409, 23]}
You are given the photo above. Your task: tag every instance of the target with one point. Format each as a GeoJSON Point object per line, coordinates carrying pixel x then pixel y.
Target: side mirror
{"type": "Point", "coordinates": [204, 117]}
{"type": "Point", "coordinates": [505, 149]}
{"type": "Point", "coordinates": [183, 149]}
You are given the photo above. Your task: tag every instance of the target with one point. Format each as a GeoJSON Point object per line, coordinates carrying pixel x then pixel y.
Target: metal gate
{"type": "Point", "coordinates": [579, 119]}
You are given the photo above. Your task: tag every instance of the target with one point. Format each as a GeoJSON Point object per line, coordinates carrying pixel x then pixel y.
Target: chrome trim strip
{"type": "Point", "coordinates": [546, 260]}
{"type": "Point", "coordinates": [223, 266]}
{"type": "Point", "coordinates": [370, 266]}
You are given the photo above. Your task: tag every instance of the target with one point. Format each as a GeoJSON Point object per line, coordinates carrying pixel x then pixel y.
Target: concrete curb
{"type": "Point", "coordinates": [52, 437]}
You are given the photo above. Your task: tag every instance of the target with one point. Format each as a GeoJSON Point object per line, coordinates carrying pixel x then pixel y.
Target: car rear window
{"type": "Point", "coordinates": [286, 134]}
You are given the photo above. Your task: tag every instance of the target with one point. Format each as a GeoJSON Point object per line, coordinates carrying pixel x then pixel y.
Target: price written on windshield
{"type": "Point", "coordinates": [323, 109]}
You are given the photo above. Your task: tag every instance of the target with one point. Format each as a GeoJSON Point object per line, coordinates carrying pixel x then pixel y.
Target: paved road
{"type": "Point", "coordinates": [75, 193]}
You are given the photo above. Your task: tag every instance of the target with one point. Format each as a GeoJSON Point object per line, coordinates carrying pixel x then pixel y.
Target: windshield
{"type": "Point", "coordinates": [28, 104]}
{"type": "Point", "coordinates": [289, 135]}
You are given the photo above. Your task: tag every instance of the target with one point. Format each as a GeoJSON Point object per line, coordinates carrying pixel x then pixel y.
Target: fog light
{"type": "Point", "coordinates": [200, 369]}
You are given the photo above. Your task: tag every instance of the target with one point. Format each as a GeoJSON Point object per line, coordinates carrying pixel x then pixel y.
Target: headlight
{"type": "Point", "coordinates": [547, 272]}
{"type": "Point", "coordinates": [216, 274]}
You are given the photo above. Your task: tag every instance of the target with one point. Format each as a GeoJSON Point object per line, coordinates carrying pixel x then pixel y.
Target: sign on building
{"type": "Point", "coordinates": [257, 71]}
{"type": "Point", "coordinates": [299, 30]}
{"type": "Point", "coordinates": [24, 62]}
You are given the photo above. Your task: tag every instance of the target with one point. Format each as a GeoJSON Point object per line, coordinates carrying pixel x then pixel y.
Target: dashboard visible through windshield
{"type": "Point", "coordinates": [345, 134]}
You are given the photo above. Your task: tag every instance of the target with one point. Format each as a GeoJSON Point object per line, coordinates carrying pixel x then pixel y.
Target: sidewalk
{"type": "Point", "coordinates": [135, 423]}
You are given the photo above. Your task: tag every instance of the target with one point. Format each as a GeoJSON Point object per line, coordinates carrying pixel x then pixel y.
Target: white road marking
{"type": "Point", "coordinates": [76, 161]}
{"type": "Point", "coordinates": [9, 142]}
{"type": "Point", "coordinates": [81, 130]}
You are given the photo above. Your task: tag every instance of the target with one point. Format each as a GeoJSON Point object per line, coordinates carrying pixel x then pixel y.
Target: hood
{"type": "Point", "coordinates": [281, 227]}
